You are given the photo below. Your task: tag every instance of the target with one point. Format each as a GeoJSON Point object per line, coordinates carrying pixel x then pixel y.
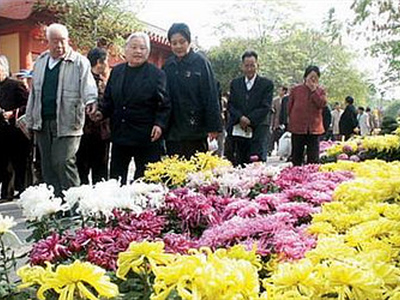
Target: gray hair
{"type": "Point", "coordinates": [142, 35]}
{"type": "Point", "coordinates": [55, 27]}
{"type": "Point", "coordinates": [4, 64]}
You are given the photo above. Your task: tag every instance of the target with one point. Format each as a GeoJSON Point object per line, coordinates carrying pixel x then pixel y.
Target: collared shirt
{"type": "Point", "coordinates": [53, 62]}
{"type": "Point", "coordinates": [250, 82]}
{"type": "Point", "coordinates": [336, 114]}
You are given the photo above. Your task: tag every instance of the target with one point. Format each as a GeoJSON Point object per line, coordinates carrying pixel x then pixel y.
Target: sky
{"type": "Point", "coordinates": [201, 17]}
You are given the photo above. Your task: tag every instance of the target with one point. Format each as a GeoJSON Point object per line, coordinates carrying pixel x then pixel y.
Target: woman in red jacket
{"type": "Point", "coordinates": [306, 102]}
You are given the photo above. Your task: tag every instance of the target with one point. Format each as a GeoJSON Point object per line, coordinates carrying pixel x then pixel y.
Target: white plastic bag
{"type": "Point", "coordinates": [285, 145]}
{"type": "Point", "coordinates": [212, 145]}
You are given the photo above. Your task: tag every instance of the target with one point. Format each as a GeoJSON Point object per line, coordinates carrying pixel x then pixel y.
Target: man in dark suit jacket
{"type": "Point", "coordinates": [248, 106]}
{"type": "Point", "coordinates": [348, 120]}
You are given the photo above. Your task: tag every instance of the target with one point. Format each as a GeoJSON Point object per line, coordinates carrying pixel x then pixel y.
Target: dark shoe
{"type": "Point", "coordinates": [6, 199]}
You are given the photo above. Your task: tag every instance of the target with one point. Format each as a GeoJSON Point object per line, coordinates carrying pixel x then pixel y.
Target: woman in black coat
{"type": "Point", "coordinates": [137, 103]}
{"type": "Point", "coordinates": [15, 146]}
{"type": "Point", "coordinates": [348, 120]}
{"type": "Point", "coordinates": [194, 97]}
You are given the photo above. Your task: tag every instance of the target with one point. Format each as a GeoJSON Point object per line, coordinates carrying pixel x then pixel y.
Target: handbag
{"type": "Point", "coordinates": [21, 123]}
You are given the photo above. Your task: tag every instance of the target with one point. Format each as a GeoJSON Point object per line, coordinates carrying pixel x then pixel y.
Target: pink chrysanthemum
{"type": "Point", "coordinates": [51, 249]}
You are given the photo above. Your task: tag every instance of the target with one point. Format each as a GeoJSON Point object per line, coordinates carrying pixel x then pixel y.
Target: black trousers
{"type": "Point", "coordinates": [302, 141]}
{"type": "Point", "coordinates": [186, 148]}
{"type": "Point", "coordinates": [238, 150]}
{"type": "Point", "coordinates": [15, 149]}
{"type": "Point", "coordinates": [121, 156]}
{"type": "Point", "coordinates": [92, 155]}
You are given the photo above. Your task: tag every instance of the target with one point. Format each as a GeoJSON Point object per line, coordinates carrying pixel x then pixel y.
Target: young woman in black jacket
{"type": "Point", "coordinates": [194, 97]}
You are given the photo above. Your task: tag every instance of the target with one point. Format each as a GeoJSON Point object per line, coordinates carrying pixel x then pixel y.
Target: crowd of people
{"type": "Point", "coordinates": [68, 112]}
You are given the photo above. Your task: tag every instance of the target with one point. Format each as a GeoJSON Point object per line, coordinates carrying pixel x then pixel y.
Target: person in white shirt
{"type": "Point", "coordinates": [336, 114]}
{"type": "Point", "coordinates": [249, 103]}
{"type": "Point", "coordinates": [372, 120]}
{"type": "Point", "coordinates": [363, 122]}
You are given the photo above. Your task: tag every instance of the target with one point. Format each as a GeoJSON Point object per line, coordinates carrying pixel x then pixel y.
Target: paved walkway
{"type": "Point", "coordinates": [12, 209]}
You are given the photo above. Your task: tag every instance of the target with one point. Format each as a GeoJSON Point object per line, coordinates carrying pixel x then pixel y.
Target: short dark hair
{"type": "Point", "coordinates": [349, 100]}
{"type": "Point", "coordinates": [310, 69]}
{"type": "Point", "coordinates": [361, 108]}
{"type": "Point", "coordinates": [249, 53]}
{"type": "Point", "coordinates": [181, 28]}
{"type": "Point", "coordinates": [97, 54]}
{"type": "Point", "coordinates": [336, 103]}
{"type": "Point", "coordinates": [285, 88]}
{"type": "Point", "coordinates": [368, 109]}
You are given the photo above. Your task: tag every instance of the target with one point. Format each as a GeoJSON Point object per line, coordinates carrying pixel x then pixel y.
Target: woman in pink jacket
{"type": "Point", "coordinates": [306, 102]}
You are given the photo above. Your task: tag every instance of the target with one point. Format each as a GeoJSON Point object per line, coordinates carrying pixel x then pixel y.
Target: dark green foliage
{"type": "Point", "coordinates": [89, 20]}
{"type": "Point", "coordinates": [389, 124]}
{"type": "Point", "coordinates": [285, 60]}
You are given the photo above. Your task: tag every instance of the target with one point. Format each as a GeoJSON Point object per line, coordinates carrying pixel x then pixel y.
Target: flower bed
{"type": "Point", "coordinates": [384, 147]}
{"type": "Point", "coordinates": [223, 233]}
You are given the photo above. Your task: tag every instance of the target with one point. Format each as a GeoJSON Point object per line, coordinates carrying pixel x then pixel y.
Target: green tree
{"type": "Point", "coordinates": [392, 109]}
{"type": "Point", "coordinates": [89, 20]}
{"type": "Point", "coordinates": [285, 60]}
{"type": "Point", "coordinates": [253, 18]}
{"type": "Point", "coordinates": [288, 49]}
{"type": "Point", "coordinates": [380, 21]}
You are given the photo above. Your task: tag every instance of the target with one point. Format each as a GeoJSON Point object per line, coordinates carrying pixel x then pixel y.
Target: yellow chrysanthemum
{"type": "Point", "coordinates": [334, 150]}
{"type": "Point", "coordinates": [240, 252]}
{"type": "Point", "coordinates": [78, 280]}
{"type": "Point", "coordinates": [381, 251]}
{"type": "Point", "coordinates": [174, 170]}
{"type": "Point", "coordinates": [361, 191]}
{"type": "Point", "coordinates": [207, 161]}
{"type": "Point", "coordinates": [32, 275]}
{"type": "Point", "coordinates": [137, 256]}
{"type": "Point", "coordinates": [207, 276]}
{"type": "Point", "coordinates": [352, 282]}
{"type": "Point", "coordinates": [381, 143]}
{"type": "Point", "coordinates": [321, 228]}
{"type": "Point", "coordinates": [6, 223]}
{"type": "Point", "coordinates": [372, 229]}
{"type": "Point", "coordinates": [297, 279]}
{"type": "Point", "coordinates": [330, 247]}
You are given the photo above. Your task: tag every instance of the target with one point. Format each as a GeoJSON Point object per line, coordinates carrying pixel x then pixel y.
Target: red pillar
{"type": "Point", "coordinates": [25, 51]}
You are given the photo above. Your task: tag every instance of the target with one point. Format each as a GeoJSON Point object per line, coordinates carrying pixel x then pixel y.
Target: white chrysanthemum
{"type": "Point", "coordinates": [149, 194]}
{"type": "Point", "coordinates": [8, 237]}
{"type": "Point", "coordinates": [99, 199]}
{"type": "Point", "coordinates": [106, 196]}
{"type": "Point", "coordinates": [39, 201]}
{"type": "Point", "coordinates": [198, 179]}
{"type": "Point", "coordinates": [6, 223]}
{"type": "Point", "coordinates": [75, 194]}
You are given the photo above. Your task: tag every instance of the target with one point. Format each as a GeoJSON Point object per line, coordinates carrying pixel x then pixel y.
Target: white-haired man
{"type": "Point", "coordinates": [62, 88]}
